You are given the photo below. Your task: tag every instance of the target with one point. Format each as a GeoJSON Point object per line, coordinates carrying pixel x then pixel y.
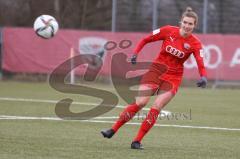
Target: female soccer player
{"type": "Point", "coordinates": [178, 43]}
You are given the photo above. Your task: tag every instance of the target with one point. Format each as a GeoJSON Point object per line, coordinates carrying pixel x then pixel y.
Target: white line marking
{"type": "Point", "coordinates": [2, 117]}
{"type": "Point", "coordinates": [5, 117]}
{"type": "Point", "coordinates": [116, 117]}
{"type": "Point", "coordinates": [55, 101]}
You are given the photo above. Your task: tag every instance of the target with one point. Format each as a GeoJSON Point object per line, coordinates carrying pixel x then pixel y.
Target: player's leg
{"type": "Point", "coordinates": [145, 92]}
{"type": "Point", "coordinates": [151, 118]}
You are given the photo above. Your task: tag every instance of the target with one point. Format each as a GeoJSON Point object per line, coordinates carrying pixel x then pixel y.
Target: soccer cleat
{"type": "Point", "coordinates": [136, 145]}
{"type": "Point", "coordinates": [108, 133]}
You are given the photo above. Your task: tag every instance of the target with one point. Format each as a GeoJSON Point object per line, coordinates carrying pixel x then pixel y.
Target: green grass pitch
{"type": "Point", "coordinates": [36, 138]}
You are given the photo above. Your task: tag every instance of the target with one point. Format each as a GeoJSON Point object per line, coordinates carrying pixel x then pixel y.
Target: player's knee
{"type": "Point", "coordinates": [141, 102]}
{"type": "Point", "coordinates": [158, 105]}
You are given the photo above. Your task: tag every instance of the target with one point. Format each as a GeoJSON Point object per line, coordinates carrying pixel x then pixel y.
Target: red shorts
{"type": "Point", "coordinates": [160, 77]}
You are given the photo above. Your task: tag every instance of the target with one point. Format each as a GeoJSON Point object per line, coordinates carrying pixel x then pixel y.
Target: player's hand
{"type": "Point", "coordinates": [202, 82]}
{"type": "Point", "coordinates": [134, 59]}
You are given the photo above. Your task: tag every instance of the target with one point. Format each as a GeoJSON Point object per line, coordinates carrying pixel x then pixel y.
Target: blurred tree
{"type": "Point", "coordinates": [132, 15]}
{"type": "Point", "coordinates": [84, 14]}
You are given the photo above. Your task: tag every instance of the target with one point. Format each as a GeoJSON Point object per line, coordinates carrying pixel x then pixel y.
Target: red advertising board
{"type": "Point", "coordinates": [23, 51]}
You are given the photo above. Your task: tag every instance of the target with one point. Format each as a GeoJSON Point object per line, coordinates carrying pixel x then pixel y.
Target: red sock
{"type": "Point", "coordinates": [127, 114]}
{"type": "Point", "coordinates": [147, 124]}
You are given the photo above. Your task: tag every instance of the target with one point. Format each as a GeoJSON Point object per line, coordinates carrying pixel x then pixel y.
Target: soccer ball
{"type": "Point", "coordinates": [45, 26]}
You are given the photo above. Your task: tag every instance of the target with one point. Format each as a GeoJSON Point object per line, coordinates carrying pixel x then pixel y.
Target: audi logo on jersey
{"type": "Point", "coordinates": [172, 50]}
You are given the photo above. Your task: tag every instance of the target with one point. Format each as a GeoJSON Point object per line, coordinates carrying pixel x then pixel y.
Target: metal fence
{"type": "Point", "coordinates": [215, 16]}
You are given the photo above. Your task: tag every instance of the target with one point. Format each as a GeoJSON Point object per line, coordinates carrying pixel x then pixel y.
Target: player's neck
{"type": "Point", "coordinates": [183, 34]}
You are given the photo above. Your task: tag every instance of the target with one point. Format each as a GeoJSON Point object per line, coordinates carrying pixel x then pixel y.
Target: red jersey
{"type": "Point", "coordinates": [175, 49]}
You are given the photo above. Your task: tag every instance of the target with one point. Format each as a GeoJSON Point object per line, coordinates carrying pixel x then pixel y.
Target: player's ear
{"type": "Point", "coordinates": [180, 23]}
{"type": "Point", "coordinates": [195, 26]}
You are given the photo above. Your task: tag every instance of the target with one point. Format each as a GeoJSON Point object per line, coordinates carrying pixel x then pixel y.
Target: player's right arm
{"type": "Point", "coordinates": [156, 35]}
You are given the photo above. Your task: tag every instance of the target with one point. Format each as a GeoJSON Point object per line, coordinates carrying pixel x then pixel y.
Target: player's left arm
{"type": "Point", "coordinates": [199, 54]}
